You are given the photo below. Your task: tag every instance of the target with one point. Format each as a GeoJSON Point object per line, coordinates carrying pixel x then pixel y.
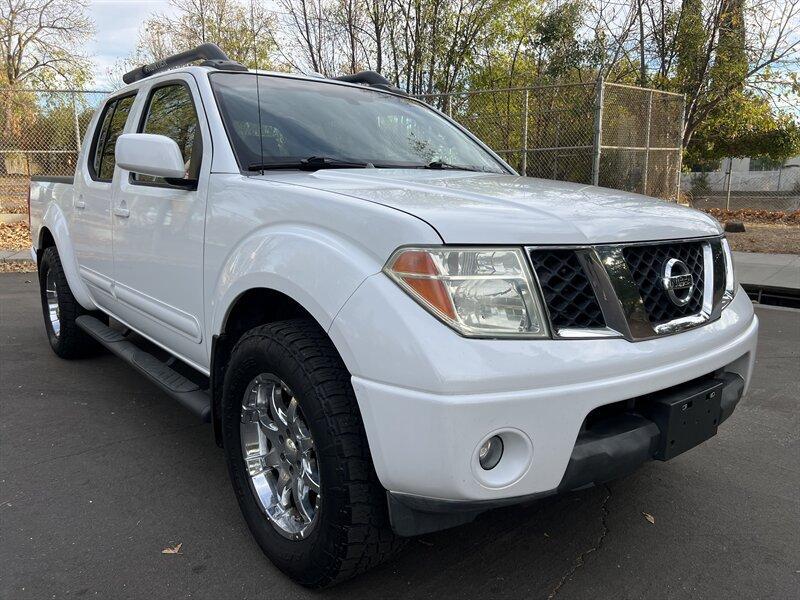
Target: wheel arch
{"type": "Point", "coordinates": [54, 231]}
{"type": "Point", "coordinates": [251, 308]}
{"type": "Point", "coordinates": [46, 240]}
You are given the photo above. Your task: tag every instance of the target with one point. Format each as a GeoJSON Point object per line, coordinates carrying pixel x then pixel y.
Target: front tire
{"type": "Point", "coordinates": [60, 309]}
{"type": "Point", "coordinates": [298, 456]}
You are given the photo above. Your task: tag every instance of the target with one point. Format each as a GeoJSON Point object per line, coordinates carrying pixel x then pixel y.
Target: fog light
{"type": "Point", "coordinates": [490, 452]}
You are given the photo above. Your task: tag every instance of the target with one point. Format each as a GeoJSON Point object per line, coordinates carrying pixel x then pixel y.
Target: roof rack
{"type": "Point", "coordinates": [372, 79]}
{"type": "Point", "coordinates": [210, 54]}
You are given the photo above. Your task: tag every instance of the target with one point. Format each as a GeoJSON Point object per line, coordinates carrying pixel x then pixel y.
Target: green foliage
{"type": "Point", "coordinates": [690, 41]}
{"type": "Point", "coordinates": [730, 66]}
{"type": "Point", "coordinates": [534, 43]}
{"type": "Point", "coordinates": [745, 125]}
{"type": "Point", "coordinates": [724, 116]}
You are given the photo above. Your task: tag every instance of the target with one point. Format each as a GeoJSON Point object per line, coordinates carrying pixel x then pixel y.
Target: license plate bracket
{"type": "Point", "coordinates": [686, 417]}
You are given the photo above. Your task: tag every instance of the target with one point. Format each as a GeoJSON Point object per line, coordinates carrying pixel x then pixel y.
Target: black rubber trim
{"type": "Point", "coordinates": [415, 515]}
{"type": "Point", "coordinates": [185, 391]}
{"type": "Point", "coordinates": [732, 392]}
{"type": "Point", "coordinates": [611, 449]}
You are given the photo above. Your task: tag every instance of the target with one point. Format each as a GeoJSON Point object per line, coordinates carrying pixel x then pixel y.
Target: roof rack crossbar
{"type": "Point", "coordinates": [372, 79]}
{"type": "Point", "coordinates": [211, 53]}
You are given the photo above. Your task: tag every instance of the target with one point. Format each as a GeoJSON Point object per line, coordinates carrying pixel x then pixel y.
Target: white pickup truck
{"type": "Point", "coordinates": [388, 328]}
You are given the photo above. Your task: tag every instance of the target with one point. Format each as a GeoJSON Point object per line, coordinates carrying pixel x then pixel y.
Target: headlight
{"type": "Point", "coordinates": [730, 277]}
{"type": "Point", "coordinates": [479, 292]}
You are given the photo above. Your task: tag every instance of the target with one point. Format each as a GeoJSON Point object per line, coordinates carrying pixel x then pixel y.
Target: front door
{"type": "Point", "coordinates": [159, 228]}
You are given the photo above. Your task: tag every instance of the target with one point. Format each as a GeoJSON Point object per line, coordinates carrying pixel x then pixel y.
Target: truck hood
{"type": "Point", "coordinates": [483, 208]}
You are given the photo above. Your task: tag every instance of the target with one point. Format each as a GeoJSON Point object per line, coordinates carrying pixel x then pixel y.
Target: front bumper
{"type": "Point", "coordinates": [429, 397]}
{"type": "Point", "coordinates": [608, 448]}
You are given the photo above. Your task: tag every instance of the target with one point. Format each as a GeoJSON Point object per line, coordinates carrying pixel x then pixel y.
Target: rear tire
{"type": "Point", "coordinates": [349, 532]}
{"type": "Point", "coordinates": [60, 310]}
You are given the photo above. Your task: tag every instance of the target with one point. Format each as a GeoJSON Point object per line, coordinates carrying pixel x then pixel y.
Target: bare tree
{"type": "Point", "coordinates": [240, 27]}
{"type": "Point", "coordinates": [42, 39]}
{"type": "Point", "coordinates": [713, 49]}
{"type": "Point", "coordinates": [423, 45]}
{"type": "Point", "coordinates": [706, 49]}
{"type": "Point", "coordinates": [311, 34]}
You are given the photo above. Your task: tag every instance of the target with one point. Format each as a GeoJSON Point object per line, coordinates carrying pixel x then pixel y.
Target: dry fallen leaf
{"type": "Point", "coordinates": [650, 518]}
{"type": "Point", "coordinates": [14, 236]}
{"type": "Point", "coordinates": [172, 549]}
{"type": "Point", "coordinates": [754, 216]}
{"type": "Point", "coordinates": [27, 266]}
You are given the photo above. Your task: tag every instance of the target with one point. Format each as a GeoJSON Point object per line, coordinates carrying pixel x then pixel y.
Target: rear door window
{"type": "Point", "coordinates": [100, 138]}
{"type": "Point", "coordinates": [121, 112]}
{"type": "Point", "coordinates": [110, 127]}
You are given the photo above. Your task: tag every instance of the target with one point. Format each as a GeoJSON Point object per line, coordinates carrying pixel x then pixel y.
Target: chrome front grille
{"type": "Point", "coordinates": [567, 290]}
{"type": "Point", "coordinates": [646, 264]}
{"type": "Point", "coordinates": [626, 290]}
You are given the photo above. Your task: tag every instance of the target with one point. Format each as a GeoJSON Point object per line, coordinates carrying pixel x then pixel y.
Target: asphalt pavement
{"type": "Point", "coordinates": [99, 472]}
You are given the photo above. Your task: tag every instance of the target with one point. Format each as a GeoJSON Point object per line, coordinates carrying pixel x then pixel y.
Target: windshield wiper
{"type": "Point", "coordinates": [312, 163]}
{"type": "Point", "coordinates": [441, 165]}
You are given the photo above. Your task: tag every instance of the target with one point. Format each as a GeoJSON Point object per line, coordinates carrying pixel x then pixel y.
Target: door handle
{"type": "Point", "coordinates": [79, 202]}
{"type": "Point", "coordinates": [122, 212]}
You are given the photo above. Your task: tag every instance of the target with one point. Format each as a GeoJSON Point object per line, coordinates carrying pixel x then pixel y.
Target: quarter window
{"type": "Point", "coordinates": [171, 112]}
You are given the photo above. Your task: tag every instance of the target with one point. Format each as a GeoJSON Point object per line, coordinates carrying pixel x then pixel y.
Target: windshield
{"type": "Point", "coordinates": [302, 120]}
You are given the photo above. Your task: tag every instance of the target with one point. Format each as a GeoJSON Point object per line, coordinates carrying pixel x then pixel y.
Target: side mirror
{"type": "Point", "coordinates": [149, 154]}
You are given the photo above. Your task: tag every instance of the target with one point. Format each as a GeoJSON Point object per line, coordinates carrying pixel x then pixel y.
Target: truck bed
{"type": "Point", "coordinates": [44, 190]}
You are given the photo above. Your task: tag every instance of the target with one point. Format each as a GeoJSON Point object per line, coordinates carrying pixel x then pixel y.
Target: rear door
{"type": "Point", "coordinates": [90, 228]}
{"type": "Point", "coordinates": [159, 227]}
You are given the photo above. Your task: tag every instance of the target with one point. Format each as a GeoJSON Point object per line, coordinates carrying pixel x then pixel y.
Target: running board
{"type": "Point", "coordinates": [185, 391]}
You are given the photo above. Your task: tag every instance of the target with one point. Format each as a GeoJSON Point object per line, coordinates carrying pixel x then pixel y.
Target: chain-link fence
{"type": "Point", "coordinates": [777, 189]}
{"type": "Point", "coordinates": [40, 133]}
{"type": "Point", "coordinates": [609, 134]}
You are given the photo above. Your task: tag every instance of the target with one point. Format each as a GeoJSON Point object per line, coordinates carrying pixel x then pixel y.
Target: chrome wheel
{"type": "Point", "coordinates": [51, 294]}
{"type": "Point", "coordinates": [279, 453]}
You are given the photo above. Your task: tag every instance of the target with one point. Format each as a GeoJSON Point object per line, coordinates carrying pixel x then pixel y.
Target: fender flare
{"type": "Point", "coordinates": [56, 223]}
{"type": "Point", "coordinates": [278, 258]}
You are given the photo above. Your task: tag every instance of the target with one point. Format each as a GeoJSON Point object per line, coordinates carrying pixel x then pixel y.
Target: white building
{"type": "Point", "coordinates": [753, 183]}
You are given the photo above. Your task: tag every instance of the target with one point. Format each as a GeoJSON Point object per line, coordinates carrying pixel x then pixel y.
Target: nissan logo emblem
{"type": "Point", "coordinates": [677, 281]}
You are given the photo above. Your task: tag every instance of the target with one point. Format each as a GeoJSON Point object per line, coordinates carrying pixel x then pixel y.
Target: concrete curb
{"type": "Point", "coordinates": [768, 270]}
{"type": "Point", "coordinates": [14, 256]}
{"type": "Point", "coordinates": [13, 218]}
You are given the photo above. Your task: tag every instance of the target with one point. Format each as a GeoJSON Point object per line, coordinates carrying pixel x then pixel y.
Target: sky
{"type": "Point", "coordinates": [116, 31]}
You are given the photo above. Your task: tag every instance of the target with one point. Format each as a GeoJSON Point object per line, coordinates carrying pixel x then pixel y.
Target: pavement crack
{"type": "Point", "coordinates": [580, 561]}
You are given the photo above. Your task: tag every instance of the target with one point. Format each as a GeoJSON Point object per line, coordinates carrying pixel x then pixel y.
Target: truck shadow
{"type": "Point", "coordinates": [142, 460]}
{"type": "Point", "coordinates": [522, 551]}
{"type": "Point", "coordinates": [518, 551]}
